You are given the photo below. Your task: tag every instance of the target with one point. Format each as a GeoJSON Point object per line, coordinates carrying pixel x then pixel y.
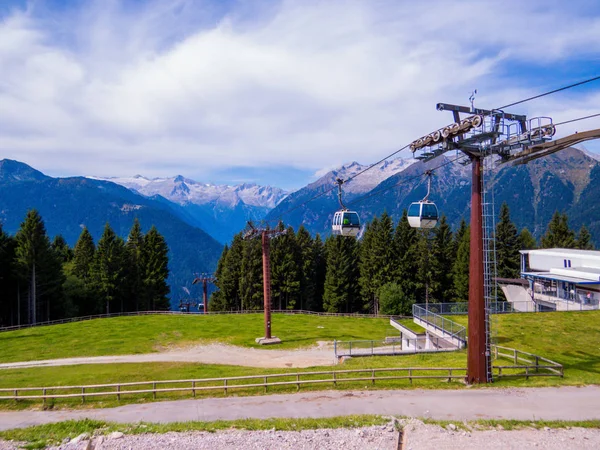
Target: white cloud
{"type": "Point", "coordinates": [117, 89]}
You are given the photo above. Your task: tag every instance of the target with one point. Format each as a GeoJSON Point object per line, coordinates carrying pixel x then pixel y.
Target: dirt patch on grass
{"type": "Point", "coordinates": [321, 355]}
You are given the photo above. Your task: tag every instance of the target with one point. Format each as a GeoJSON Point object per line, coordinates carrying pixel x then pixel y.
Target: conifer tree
{"type": "Point", "coordinates": [558, 234]}
{"type": "Point", "coordinates": [427, 285]}
{"type": "Point", "coordinates": [107, 271]}
{"type": "Point", "coordinates": [10, 312]}
{"type": "Point", "coordinates": [367, 265]}
{"type": "Point", "coordinates": [382, 257]}
{"type": "Point", "coordinates": [251, 276]}
{"type": "Point", "coordinates": [584, 239]}
{"type": "Point", "coordinates": [39, 266]}
{"type": "Point", "coordinates": [155, 263]}
{"type": "Point", "coordinates": [134, 274]}
{"type": "Point", "coordinates": [230, 278]}
{"type": "Point", "coordinates": [507, 245]}
{"type": "Point", "coordinates": [341, 278]}
{"type": "Point", "coordinates": [62, 249]}
{"type": "Point", "coordinates": [320, 269]}
{"type": "Point", "coordinates": [526, 240]}
{"type": "Point", "coordinates": [306, 265]}
{"type": "Point", "coordinates": [443, 256]}
{"type": "Point", "coordinates": [404, 254]}
{"type": "Point", "coordinates": [217, 299]}
{"type": "Point", "coordinates": [83, 255]}
{"type": "Point", "coordinates": [461, 268]}
{"type": "Point", "coordinates": [285, 273]}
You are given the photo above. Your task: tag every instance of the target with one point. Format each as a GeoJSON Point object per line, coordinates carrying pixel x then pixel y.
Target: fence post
{"type": "Point", "coordinates": [154, 390]}
{"type": "Point", "coordinates": [44, 394]}
{"type": "Point", "coordinates": [266, 385]}
{"type": "Point", "coordinates": [118, 390]}
{"type": "Point", "coordinates": [16, 395]}
{"type": "Point", "coordinates": [334, 380]}
{"type": "Point", "coordinates": [194, 388]}
{"type": "Point", "coordinates": [410, 375]}
{"type": "Point", "coordinates": [516, 358]}
{"type": "Point", "coordinates": [537, 363]}
{"type": "Point", "coordinates": [82, 395]}
{"type": "Point", "coordinates": [449, 375]}
{"type": "Point", "coordinates": [527, 372]}
{"type": "Point", "coordinates": [373, 377]}
{"type": "Point", "coordinates": [225, 386]}
{"type": "Point", "coordinates": [297, 382]}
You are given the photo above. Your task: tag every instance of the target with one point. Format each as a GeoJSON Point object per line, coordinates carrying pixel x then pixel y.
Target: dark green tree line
{"type": "Point", "coordinates": [43, 280]}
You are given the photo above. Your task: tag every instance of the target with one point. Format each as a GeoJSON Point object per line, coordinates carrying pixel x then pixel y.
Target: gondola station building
{"type": "Point", "coordinates": [556, 279]}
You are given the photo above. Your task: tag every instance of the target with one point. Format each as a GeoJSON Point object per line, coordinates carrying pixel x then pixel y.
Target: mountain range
{"type": "Point", "coordinates": [196, 218]}
{"type": "Point", "coordinates": [220, 210]}
{"type": "Point", "coordinates": [567, 181]}
{"type": "Point", "coordinates": [68, 204]}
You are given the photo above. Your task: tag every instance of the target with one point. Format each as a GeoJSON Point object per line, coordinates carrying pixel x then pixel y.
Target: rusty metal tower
{"type": "Point", "coordinates": [204, 279]}
{"type": "Point", "coordinates": [480, 136]}
{"type": "Point", "coordinates": [266, 235]}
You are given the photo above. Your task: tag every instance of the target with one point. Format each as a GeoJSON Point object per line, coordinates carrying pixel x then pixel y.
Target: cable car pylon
{"type": "Point", "coordinates": [478, 136]}
{"type": "Point", "coordinates": [266, 235]}
{"type": "Point", "coordinates": [204, 279]}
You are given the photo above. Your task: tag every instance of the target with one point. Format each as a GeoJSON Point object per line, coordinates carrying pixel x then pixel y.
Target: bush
{"type": "Point", "coordinates": [393, 301]}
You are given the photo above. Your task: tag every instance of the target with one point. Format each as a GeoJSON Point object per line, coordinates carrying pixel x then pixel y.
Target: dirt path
{"type": "Point", "coordinates": [565, 403]}
{"type": "Point", "coordinates": [322, 355]}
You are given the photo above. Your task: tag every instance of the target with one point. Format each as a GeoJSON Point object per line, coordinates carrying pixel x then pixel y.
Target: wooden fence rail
{"type": "Point", "coordinates": [226, 384]}
{"type": "Point", "coordinates": [532, 367]}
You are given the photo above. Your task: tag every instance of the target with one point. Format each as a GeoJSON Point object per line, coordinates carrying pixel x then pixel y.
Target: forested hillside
{"type": "Point", "coordinates": [389, 269]}
{"type": "Point", "coordinates": [43, 280]}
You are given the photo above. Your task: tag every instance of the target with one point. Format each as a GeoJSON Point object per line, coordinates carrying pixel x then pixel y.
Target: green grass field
{"type": "Point", "coordinates": [569, 338]}
{"type": "Point", "coordinates": [146, 334]}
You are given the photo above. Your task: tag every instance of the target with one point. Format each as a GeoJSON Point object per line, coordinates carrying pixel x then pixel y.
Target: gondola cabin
{"type": "Point", "coordinates": [346, 223]}
{"type": "Point", "coordinates": [422, 214]}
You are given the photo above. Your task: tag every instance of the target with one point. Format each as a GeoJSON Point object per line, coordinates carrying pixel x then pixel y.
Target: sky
{"type": "Point", "coordinates": [274, 92]}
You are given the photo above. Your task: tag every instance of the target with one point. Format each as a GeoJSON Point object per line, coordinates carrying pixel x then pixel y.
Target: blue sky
{"type": "Point", "coordinates": [271, 91]}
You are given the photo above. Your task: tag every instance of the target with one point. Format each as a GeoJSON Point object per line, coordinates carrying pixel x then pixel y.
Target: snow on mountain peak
{"type": "Point", "coordinates": [183, 191]}
{"type": "Point", "coordinates": [368, 179]}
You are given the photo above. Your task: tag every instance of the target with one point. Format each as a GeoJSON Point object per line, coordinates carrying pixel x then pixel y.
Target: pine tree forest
{"type": "Point", "coordinates": [391, 267]}
{"type": "Point", "coordinates": [43, 279]}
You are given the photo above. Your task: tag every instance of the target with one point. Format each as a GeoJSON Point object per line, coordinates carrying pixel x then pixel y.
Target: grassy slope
{"type": "Point", "coordinates": [569, 338]}
{"type": "Point", "coordinates": [145, 334]}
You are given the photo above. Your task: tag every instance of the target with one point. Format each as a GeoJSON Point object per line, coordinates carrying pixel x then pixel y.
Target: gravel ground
{"type": "Point", "coordinates": [319, 355]}
{"type": "Point", "coordinates": [417, 436]}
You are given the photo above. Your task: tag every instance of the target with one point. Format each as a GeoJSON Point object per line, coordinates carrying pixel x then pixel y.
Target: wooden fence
{"type": "Point", "coordinates": [525, 364]}
{"type": "Point", "coordinates": [230, 383]}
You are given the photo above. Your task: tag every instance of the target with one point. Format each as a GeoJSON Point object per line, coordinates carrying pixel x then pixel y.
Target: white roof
{"type": "Point", "coordinates": [564, 252]}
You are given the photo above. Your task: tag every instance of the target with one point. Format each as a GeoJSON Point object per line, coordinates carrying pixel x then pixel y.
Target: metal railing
{"type": "Point", "coordinates": [502, 307]}
{"type": "Point", "coordinates": [447, 327]}
{"type": "Point", "coordinates": [179, 313]}
{"type": "Point", "coordinates": [388, 347]}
